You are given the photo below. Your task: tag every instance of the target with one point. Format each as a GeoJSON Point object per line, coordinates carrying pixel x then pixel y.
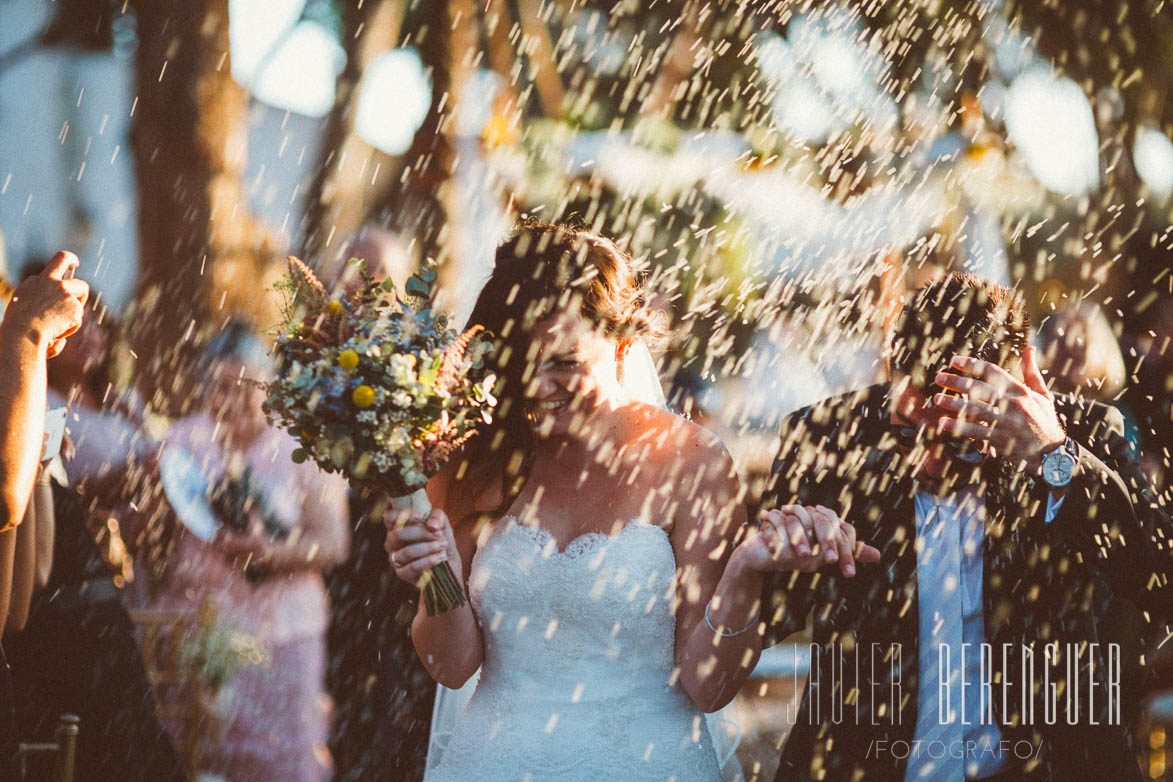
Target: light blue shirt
{"type": "Point", "coordinates": [956, 736]}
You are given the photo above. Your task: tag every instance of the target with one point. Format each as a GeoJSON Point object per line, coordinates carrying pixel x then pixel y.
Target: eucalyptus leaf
{"type": "Point", "coordinates": [416, 287]}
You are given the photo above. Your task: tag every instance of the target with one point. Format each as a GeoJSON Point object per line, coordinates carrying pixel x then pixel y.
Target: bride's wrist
{"type": "Point", "coordinates": [740, 571]}
{"type": "Point", "coordinates": [732, 607]}
{"type": "Point", "coordinates": [749, 620]}
{"type": "Point", "coordinates": [735, 601]}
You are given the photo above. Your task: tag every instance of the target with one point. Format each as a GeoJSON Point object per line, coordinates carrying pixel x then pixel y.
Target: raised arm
{"type": "Point", "coordinates": [33, 559]}
{"type": "Point", "coordinates": [23, 569]}
{"type": "Point", "coordinates": [1108, 509]}
{"type": "Point", "coordinates": [44, 310]}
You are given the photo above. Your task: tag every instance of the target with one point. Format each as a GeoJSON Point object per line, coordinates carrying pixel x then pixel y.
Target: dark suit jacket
{"type": "Point", "coordinates": [1110, 542]}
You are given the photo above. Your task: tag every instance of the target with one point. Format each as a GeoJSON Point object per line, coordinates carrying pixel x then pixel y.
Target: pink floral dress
{"type": "Point", "coordinates": [277, 719]}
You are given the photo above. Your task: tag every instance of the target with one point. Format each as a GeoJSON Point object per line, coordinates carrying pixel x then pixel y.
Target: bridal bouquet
{"type": "Point", "coordinates": [375, 386]}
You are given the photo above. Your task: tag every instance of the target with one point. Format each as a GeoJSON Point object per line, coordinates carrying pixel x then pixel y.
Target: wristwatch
{"type": "Point", "coordinates": [1059, 463]}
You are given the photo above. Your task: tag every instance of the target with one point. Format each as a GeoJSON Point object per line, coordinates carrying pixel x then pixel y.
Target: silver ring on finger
{"type": "Point", "coordinates": [394, 561]}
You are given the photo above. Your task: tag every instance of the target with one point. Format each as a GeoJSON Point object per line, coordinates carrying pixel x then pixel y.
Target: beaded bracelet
{"type": "Point", "coordinates": [722, 633]}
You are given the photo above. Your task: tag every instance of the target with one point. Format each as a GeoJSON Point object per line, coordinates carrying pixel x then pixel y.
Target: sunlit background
{"type": "Point", "coordinates": [66, 176]}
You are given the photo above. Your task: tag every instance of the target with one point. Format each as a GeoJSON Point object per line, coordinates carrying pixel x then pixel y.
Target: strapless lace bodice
{"type": "Point", "coordinates": [577, 681]}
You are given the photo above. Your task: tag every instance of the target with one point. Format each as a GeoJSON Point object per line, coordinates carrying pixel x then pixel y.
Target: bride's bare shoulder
{"type": "Point", "coordinates": [694, 468]}
{"type": "Point", "coordinates": [664, 433]}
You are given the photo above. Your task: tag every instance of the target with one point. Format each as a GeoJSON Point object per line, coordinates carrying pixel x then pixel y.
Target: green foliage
{"type": "Point", "coordinates": [219, 652]}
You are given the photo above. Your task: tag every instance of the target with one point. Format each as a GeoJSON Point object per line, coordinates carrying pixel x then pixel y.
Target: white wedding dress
{"type": "Point", "coordinates": [577, 681]}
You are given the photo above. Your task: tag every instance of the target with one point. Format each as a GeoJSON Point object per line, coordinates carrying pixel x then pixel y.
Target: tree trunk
{"type": "Point", "coordinates": [198, 239]}
{"type": "Point", "coordinates": [536, 44]}
{"type": "Point", "coordinates": [426, 205]}
{"type": "Point", "coordinates": [671, 84]}
{"type": "Point", "coordinates": [1116, 52]}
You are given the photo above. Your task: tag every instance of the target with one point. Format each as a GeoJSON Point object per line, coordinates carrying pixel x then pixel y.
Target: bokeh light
{"type": "Point", "coordinates": [393, 101]}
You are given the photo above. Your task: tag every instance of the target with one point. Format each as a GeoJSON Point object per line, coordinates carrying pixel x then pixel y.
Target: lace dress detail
{"type": "Point", "coordinates": [577, 681]}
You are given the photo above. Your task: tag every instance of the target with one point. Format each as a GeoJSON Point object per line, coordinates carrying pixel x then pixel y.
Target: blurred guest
{"type": "Point", "coordinates": [1082, 358]}
{"type": "Point", "coordinates": [43, 311]}
{"type": "Point", "coordinates": [105, 416]}
{"type": "Point", "coordinates": [77, 653]}
{"type": "Point", "coordinates": [1079, 352]}
{"type": "Point", "coordinates": [266, 584]}
{"type": "Point", "coordinates": [108, 444]}
{"type": "Point", "coordinates": [106, 413]}
{"type": "Point", "coordinates": [386, 254]}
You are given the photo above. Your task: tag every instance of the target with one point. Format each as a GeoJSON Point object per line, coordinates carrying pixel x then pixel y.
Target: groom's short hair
{"type": "Point", "coordinates": [957, 314]}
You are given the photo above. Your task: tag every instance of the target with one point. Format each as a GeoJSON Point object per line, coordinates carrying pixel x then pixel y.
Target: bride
{"type": "Point", "coordinates": [613, 592]}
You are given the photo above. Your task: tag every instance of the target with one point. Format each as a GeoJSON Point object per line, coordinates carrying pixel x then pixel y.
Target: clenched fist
{"type": "Point", "coordinates": [49, 307]}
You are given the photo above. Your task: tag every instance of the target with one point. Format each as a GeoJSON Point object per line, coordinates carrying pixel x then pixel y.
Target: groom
{"type": "Point", "coordinates": [1015, 529]}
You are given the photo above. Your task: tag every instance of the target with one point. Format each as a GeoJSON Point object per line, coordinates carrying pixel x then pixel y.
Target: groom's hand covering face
{"type": "Point", "coordinates": [1015, 418]}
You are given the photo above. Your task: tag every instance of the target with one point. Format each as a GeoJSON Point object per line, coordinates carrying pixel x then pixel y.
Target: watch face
{"type": "Point", "coordinates": [1057, 475]}
{"type": "Point", "coordinates": [1058, 466]}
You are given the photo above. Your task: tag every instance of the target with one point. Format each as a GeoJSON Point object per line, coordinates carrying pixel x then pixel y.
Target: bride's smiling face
{"type": "Point", "coordinates": [573, 372]}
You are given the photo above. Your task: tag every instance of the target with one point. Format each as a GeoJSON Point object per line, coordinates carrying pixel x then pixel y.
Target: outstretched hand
{"type": "Point", "coordinates": [1016, 418]}
{"type": "Point", "coordinates": [805, 538]}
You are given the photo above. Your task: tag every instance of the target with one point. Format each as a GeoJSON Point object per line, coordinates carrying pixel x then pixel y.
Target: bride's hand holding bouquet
{"type": "Point", "coordinates": [416, 544]}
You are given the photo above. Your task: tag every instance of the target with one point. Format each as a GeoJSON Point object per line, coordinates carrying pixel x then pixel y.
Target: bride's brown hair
{"type": "Point", "coordinates": [540, 270]}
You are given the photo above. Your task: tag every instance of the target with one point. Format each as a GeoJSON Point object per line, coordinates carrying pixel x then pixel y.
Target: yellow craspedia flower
{"type": "Point", "coordinates": [363, 396]}
{"type": "Point", "coordinates": [348, 360]}
{"type": "Point", "coordinates": [334, 307]}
